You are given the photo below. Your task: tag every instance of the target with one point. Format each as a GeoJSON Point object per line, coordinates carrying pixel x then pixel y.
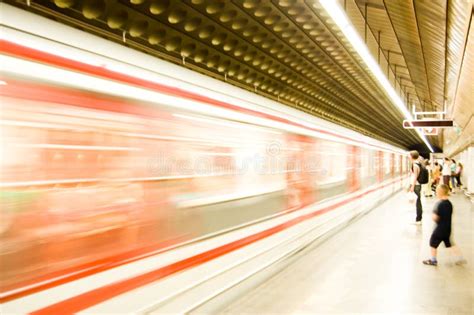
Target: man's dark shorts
{"type": "Point", "coordinates": [437, 238]}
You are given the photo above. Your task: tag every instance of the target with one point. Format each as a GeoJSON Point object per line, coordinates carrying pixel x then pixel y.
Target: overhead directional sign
{"type": "Point", "coordinates": [428, 123]}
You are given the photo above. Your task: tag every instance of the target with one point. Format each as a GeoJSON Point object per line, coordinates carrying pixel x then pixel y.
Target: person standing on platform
{"type": "Point", "coordinates": [436, 174]}
{"type": "Point", "coordinates": [415, 185]}
{"type": "Point", "coordinates": [427, 192]}
{"type": "Point", "coordinates": [442, 215]}
{"type": "Point", "coordinates": [459, 173]}
{"type": "Point", "coordinates": [453, 175]}
{"type": "Point", "coordinates": [446, 172]}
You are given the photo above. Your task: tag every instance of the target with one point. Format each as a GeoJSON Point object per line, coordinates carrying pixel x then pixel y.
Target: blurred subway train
{"type": "Point", "coordinates": [111, 156]}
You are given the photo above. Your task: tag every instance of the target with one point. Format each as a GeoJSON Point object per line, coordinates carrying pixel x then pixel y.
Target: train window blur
{"type": "Point", "coordinates": [369, 167]}
{"type": "Point", "coordinates": [405, 165]}
{"type": "Point", "coordinates": [332, 173]}
{"type": "Point", "coordinates": [386, 164]}
{"type": "Point", "coordinates": [399, 161]}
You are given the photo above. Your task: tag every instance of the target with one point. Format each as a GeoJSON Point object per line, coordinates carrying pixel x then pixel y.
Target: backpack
{"type": "Point", "coordinates": [423, 177]}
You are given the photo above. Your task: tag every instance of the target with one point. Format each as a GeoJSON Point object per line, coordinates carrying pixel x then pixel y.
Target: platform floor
{"type": "Point", "coordinates": [374, 266]}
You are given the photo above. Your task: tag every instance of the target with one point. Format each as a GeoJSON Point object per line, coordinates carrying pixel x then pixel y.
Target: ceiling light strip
{"type": "Point", "coordinates": [340, 18]}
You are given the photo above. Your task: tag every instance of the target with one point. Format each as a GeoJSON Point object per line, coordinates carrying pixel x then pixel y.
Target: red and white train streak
{"type": "Point", "coordinates": [132, 185]}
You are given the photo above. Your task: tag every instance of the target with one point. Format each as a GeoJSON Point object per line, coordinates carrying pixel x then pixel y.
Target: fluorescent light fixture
{"type": "Point", "coordinates": [339, 17]}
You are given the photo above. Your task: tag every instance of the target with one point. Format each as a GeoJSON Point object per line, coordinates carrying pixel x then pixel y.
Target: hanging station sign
{"type": "Point", "coordinates": [428, 123]}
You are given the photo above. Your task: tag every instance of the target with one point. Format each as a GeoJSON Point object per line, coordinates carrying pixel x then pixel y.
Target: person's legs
{"type": "Point", "coordinates": [434, 253]}
{"type": "Point", "coordinates": [458, 177]}
{"type": "Point", "coordinates": [433, 261]}
{"type": "Point", "coordinates": [446, 181]}
{"type": "Point", "coordinates": [434, 243]}
{"type": "Point", "coordinates": [428, 188]}
{"type": "Point", "coordinates": [455, 252]}
{"type": "Point", "coordinates": [419, 207]}
{"type": "Point", "coordinates": [453, 182]}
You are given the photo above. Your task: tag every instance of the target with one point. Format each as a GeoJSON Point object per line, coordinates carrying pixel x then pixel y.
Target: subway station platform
{"type": "Point", "coordinates": [236, 157]}
{"type": "Point", "coordinates": [375, 266]}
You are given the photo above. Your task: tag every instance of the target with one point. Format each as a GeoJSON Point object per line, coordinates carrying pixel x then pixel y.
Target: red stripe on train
{"type": "Point", "coordinates": [60, 95]}
{"type": "Point", "coordinates": [94, 297]}
{"type": "Point", "coordinates": [74, 273]}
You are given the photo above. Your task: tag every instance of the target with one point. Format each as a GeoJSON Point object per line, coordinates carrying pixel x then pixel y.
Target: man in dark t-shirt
{"type": "Point", "coordinates": [442, 214]}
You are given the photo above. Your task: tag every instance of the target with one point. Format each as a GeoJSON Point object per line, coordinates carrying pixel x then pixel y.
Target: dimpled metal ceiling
{"type": "Point", "coordinates": [291, 51]}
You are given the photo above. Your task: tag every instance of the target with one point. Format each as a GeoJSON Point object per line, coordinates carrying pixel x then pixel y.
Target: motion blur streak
{"type": "Point", "coordinates": [91, 179]}
{"type": "Point", "coordinates": [189, 99]}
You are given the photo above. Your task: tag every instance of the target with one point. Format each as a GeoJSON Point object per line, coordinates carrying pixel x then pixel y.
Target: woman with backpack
{"type": "Point", "coordinates": [418, 178]}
